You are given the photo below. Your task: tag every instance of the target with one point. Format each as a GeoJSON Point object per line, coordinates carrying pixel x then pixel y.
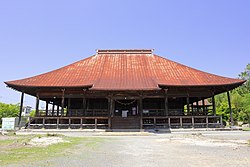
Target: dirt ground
{"type": "Point", "coordinates": [206, 149]}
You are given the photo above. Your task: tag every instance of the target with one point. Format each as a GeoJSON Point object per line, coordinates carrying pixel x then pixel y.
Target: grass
{"type": "Point", "coordinates": [246, 129]}
{"type": "Point", "coordinates": [14, 149]}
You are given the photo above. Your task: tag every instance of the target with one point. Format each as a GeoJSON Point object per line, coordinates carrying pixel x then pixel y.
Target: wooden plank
{"type": "Point", "coordinates": [47, 108]}
{"type": "Point", "coordinates": [213, 104]}
{"type": "Point", "coordinates": [230, 109]}
{"type": "Point", "coordinates": [37, 104]}
{"type": "Point", "coordinates": [62, 109]}
{"type": "Point", "coordinates": [20, 110]}
{"type": "Point", "coordinates": [141, 112]}
{"type": "Point", "coordinates": [95, 123]}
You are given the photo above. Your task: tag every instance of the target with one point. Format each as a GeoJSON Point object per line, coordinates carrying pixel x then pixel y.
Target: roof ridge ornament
{"type": "Point", "coordinates": [126, 51]}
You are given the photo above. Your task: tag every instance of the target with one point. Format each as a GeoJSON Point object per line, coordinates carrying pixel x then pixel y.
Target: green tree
{"type": "Point", "coordinates": [8, 110]}
{"type": "Point", "coordinates": [240, 101]}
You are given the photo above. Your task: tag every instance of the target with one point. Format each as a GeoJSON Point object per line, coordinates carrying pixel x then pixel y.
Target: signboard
{"type": "Point", "coordinates": [8, 123]}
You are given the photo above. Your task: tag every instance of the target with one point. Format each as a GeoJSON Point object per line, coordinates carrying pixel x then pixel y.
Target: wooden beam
{"type": "Point", "coordinates": [213, 104]}
{"type": "Point", "coordinates": [166, 103]}
{"type": "Point", "coordinates": [53, 109]}
{"type": "Point", "coordinates": [62, 109]}
{"type": "Point", "coordinates": [141, 112]}
{"type": "Point", "coordinates": [111, 110]}
{"type": "Point", "coordinates": [203, 107]}
{"type": "Point", "coordinates": [84, 105]}
{"type": "Point", "coordinates": [69, 107]}
{"type": "Point", "coordinates": [230, 109]}
{"type": "Point", "coordinates": [21, 109]}
{"type": "Point", "coordinates": [47, 108]}
{"type": "Point", "coordinates": [57, 110]}
{"type": "Point", "coordinates": [188, 108]}
{"type": "Point", "coordinates": [37, 104]}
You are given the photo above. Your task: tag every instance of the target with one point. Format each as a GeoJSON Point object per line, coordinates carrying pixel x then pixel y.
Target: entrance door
{"type": "Point", "coordinates": [126, 115]}
{"type": "Point", "coordinates": [126, 108]}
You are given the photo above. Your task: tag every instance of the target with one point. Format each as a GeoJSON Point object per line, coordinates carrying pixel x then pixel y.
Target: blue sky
{"type": "Point", "coordinates": [40, 36]}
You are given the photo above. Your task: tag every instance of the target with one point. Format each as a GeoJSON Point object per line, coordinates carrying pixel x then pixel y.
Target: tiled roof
{"type": "Point", "coordinates": [124, 70]}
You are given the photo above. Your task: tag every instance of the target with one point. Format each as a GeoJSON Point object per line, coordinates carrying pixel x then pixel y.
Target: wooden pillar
{"type": "Point", "coordinates": [57, 110]}
{"type": "Point", "coordinates": [95, 123]}
{"type": "Point", "coordinates": [111, 110]}
{"type": "Point", "coordinates": [141, 112]}
{"type": "Point", "coordinates": [230, 109]}
{"type": "Point", "coordinates": [84, 105]}
{"type": "Point", "coordinates": [193, 121]}
{"type": "Point", "coordinates": [203, 107]}
{"type": "Point", "coordinates": [166, 104]}
{"type": "Point", "coordinates": [214, 108]}
{"type": "Point", "coordinates": [192, 109]}
{"type": "Point", "coordinates": [62, 109]}
{"type": "Point", "coordinates": [197, 107]}
{"type": "Point", "coordinates": [53, 109]}
{"type": "Point", "coordinates": [47, 108]}
{"type": "Point", "coordinates": [37, 104]}
{"type": "Point", "coordinates": [69, 107]}
{"type": "Point", "coordinates": [57, 121]}
{"type": "Point", "coordinates": [181, 125]}
{"type": "Point", "coordinates": [188, 108]}
{"type": "Point", "coordinates": [21, 109]}
{"type": "Point", "coordinates": [207, 121]}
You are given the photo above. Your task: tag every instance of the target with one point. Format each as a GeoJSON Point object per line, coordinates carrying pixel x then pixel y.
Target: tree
{"type": "Point", "coordinates": [240, 101]}
{"type": "Point", "coordinates": [8, 110]}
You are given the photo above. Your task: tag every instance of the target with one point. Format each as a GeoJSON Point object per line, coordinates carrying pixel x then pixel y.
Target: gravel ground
{"type": "Point", "coordinates": [169, 149]}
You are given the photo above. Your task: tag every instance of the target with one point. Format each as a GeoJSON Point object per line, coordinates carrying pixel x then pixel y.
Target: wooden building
{"type": "Point", "coordinates": [123, 89]}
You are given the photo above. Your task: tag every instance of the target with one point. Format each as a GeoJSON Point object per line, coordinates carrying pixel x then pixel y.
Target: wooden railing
{"type": "Point", "coordinates": [75, 112]}
{"type": "Point", "coordinates": [69, 122]}
{"type": "Point", "coordinates": [182, 122]}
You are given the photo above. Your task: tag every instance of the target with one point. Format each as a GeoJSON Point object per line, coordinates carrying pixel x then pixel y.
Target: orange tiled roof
{"type": "Point", "coordinates": [124, 70]}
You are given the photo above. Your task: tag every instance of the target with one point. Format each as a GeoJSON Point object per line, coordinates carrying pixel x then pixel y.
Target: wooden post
{"type": "Point", "coordinates": [95, 123]}
{"type": "Point", "coordinates": [203, 107]}
{"type": "Point", "coordinates": [207, 121]}
{"type": "Point", "coordinates": [192, 121]}
{"type": "Point", "coordinates": [69, 122]}
{"type": "Point", "coordinates": [57, 110]}
{"type": "Point", "coordinates": [154, 122]}
{"type": "Point", "coordinates": [230, 109]}
{"type": "Point", "coordinates": [37, 104]}
{"type": "Point", "coordinates": [111, 109]}
{"type": "Point", "coordinates": [69, 107]}
{"type": "Point", "coordinates": [57, 122]}
{"type": "Point", "coordinates": [20, 110]}
{"type": "Point", "coordinates": [47, 108]}
{"type": "Point", "coordinates": [81, 123]}
{"type": "Point", "coordinates": [84, 105]}
{"type": "Point", "coordinates": [188, 109]}
{"type": "Point", "coordinates": [221, 122]}
{"type": "Point", "coordinates": [181, 122]}
{"type": "Point", "coordinates": [166, 103]}
{"type": "Point", "coordinates": [192, 109]}
{"type": "Point", "coordinates": [169, 122]}
{"type": "Point", "coordinates": [214, 108]}
{"type": "Point", "coordinates": [29, 123]}
{"type": "Point", "coordinates": [62, 109]}
{"type": "Point", "coordinates": [43, 122]}
{"type": "Point", "coordinates": [141, 114]}
{"type": "Point", "coordinates": [53, 109]}
{"type": "Point", "coordinates": [197, 107]}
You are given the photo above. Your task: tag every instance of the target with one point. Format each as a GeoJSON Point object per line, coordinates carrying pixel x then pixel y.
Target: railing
{"type": "Point", "coordinates": [75, 112]}
{"type": "Point", "coordinates": [69, 122]}
{"type": "Point", "coordinates": [182, 122]}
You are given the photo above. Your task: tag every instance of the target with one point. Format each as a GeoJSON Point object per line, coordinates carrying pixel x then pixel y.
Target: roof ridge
{"type": "Point", "coordinates": [122, 51]}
